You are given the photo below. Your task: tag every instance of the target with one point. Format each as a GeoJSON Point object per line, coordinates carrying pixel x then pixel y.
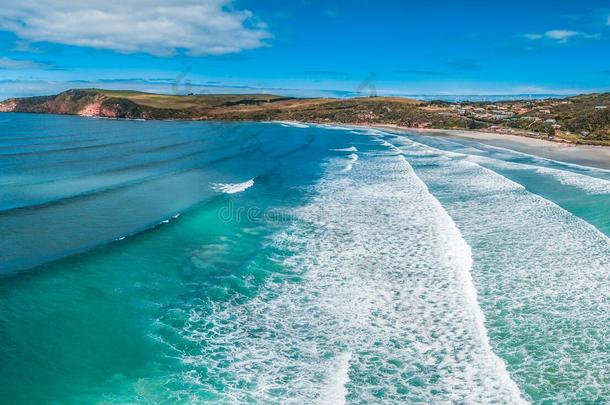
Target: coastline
{"type": "Point", "coordinates": [583, 155]}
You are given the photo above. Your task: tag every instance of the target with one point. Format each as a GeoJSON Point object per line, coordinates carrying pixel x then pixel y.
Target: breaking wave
{"type": "Point", "coordinates": [232, 188]}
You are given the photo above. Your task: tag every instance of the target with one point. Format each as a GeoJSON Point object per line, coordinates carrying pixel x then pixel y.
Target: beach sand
{"type": "Point", "coordinates": [586, 155]}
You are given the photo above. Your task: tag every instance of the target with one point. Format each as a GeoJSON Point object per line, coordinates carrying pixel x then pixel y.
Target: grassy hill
{"type": "Point", "coordinates": [181, 102]}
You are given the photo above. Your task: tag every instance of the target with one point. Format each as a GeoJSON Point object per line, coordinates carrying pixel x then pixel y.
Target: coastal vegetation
{"type": "Point", "coordinates": [583, 119]}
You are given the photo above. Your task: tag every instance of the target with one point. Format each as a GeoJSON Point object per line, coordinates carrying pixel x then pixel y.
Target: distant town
{"type": "Point", "coordinates": [554, 118]}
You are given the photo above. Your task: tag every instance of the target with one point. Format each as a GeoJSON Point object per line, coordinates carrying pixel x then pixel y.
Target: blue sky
{"type": "Point", "coordinates": [306, 47]}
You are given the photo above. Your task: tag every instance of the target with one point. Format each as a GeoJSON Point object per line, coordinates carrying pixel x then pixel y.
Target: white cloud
{"type": "Point", "coordinates": [533, 36]}
{"type": "Point", "coordinates": [158, 27]}
{"type": "Point", "coordinates": [561, 36]}
{"type": "Point", "coordinates": [17, 64]}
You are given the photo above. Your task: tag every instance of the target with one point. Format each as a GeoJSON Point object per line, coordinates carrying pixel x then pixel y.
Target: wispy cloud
{"type": "Point", "coordinates": [157, 27]}
{"type": "Point", "coordinates": [559, 36]}
{"type": "Point", "coordinates": [22, 64]}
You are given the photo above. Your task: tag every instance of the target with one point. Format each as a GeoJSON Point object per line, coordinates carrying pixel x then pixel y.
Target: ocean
{"type": "Point", "coordinates": [189, 262]}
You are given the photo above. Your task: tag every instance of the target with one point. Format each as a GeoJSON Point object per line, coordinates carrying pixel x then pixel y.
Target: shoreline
{"type": "Point", "coordinates": [582, 155]}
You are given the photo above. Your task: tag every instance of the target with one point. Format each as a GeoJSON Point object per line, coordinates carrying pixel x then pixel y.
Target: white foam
{"type": "Point", "coordinates": [232, 188]}
{"type": "Point", "coordinates": [544, 160]}
{"type": "Point", "coordinates": [292, 124]}
{"type": "Point", "coordinates": [589, 184]}
{"type": "Point", "coordinates": [350, 149]}
{"type": "Point", "coordinates": [371, 131]}
{"type": "Point", "coordinates": [335, 127]}
{"type": "Point", "coordinates": [460, 259]}
{"type": "Point", "coordinates": [352, 159]}
{"type": "Point", "coordinates": [335, 391]}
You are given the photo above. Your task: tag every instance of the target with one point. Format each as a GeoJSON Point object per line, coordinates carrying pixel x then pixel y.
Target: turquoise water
{"type": "Point", "coordinates": [185, 262]}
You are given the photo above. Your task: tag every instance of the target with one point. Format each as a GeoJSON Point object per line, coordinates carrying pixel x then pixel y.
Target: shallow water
{"type": "Point", "coordinates": [179, 262]}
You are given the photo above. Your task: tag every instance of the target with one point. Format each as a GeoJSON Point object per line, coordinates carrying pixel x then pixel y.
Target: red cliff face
{"type": "Point", "coordinates": [108, 112]}
{"type": "Point", "coordinates": [97, 109]}
{"type": "Point", "coordinates": [7, 106]}
{"type": "Point", "coordinates": [91, 110]}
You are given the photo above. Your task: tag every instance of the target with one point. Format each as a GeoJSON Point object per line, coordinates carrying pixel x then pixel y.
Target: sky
{"type": "Point", "coordinates": [306, 47]}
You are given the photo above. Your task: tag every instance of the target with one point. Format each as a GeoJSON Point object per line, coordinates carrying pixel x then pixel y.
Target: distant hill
{"type": "Point", "coordinates": [580, 119]}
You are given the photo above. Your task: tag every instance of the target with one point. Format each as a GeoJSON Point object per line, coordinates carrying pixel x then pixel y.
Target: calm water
{"type": "Point", "coordinates": [184, 262]}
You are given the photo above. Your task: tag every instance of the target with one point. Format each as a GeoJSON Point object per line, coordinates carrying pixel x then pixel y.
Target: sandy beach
{"type": "Point", "coordinates": [586, 155]}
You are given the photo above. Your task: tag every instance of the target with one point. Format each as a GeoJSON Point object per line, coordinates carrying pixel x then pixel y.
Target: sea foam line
{"type": "Point", "coordinates": [589, 184]}
{"type": "Point", "coordinates": [350, 149]}
{"type": "Point", "coordinates": [461, 256]}
{"type": "Point", "coordinates": [293, 124]}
